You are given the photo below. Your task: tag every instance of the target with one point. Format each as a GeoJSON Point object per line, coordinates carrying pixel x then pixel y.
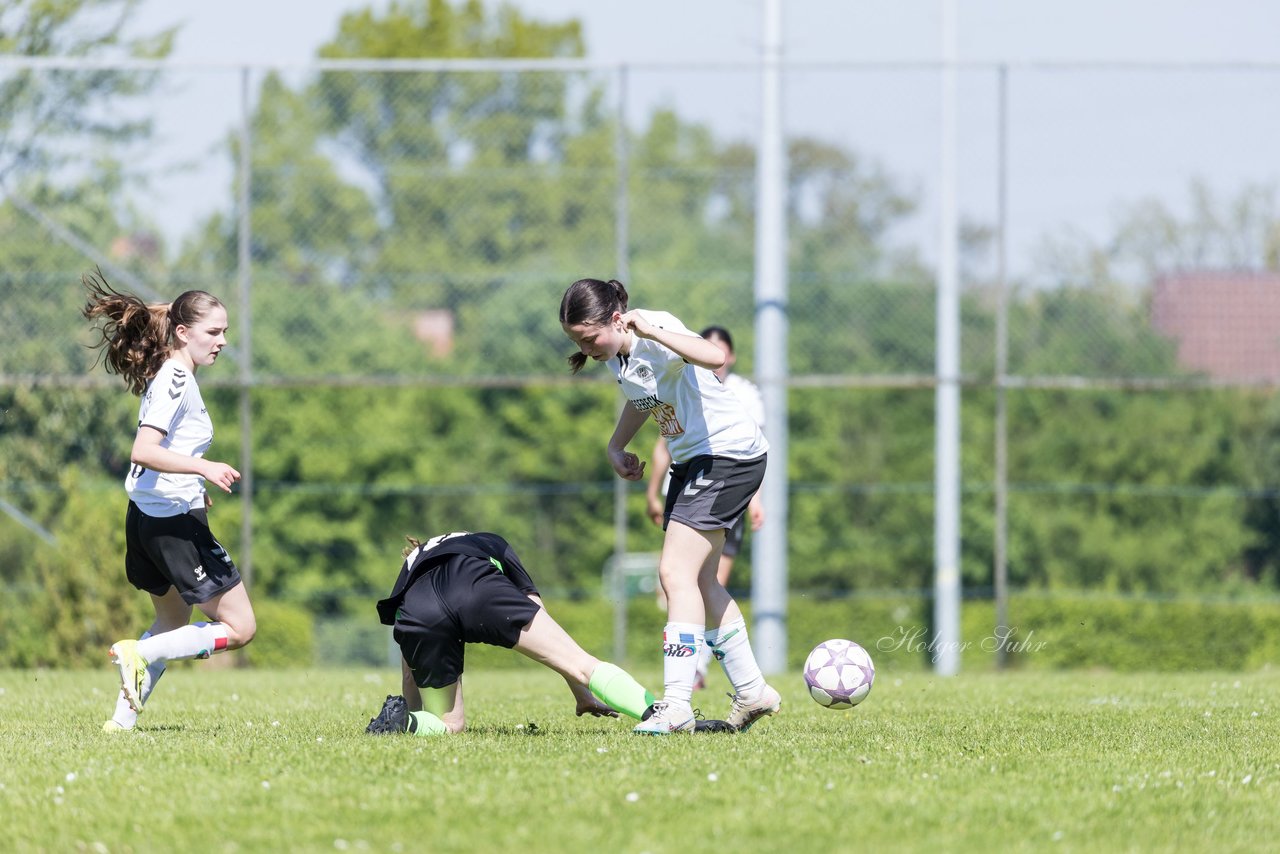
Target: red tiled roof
{"type": "Point", "coordinates": [1227, 325]}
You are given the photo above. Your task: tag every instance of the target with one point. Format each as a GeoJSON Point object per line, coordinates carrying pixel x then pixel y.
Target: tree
{"type": "Point", "coordinates": [50, 116]}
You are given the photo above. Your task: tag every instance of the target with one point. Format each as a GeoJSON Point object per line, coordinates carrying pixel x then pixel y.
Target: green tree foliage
{"type": "Point", "coordinates": [48, 115]}
{"type": "Point", "coordinates": [379, 199]}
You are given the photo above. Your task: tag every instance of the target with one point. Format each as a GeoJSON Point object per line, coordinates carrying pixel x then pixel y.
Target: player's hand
{"type": "Point", "coordinates": [757, 516]}
{"type": "Point", "coordinates": [595, 708]}
{"type": "Point", "coordinates": [221, 474]}
{"type": "Point", "coordinates": [654, 509]}
{"type": "Point", "coordinates": [633, 321]}
{"type": "Point", "coordinates": [627, 465]}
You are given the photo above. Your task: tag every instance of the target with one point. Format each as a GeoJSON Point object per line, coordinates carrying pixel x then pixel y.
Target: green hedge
{"type": "Point", "coordinates": [1048, 632]}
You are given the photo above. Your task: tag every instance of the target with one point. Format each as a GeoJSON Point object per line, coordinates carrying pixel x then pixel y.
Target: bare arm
{"type": "Point", "coordinates": [149, 453]}
{"type": "Point", "coordinates": [625, 463]}
{"type": "Point", "coordinates": [654, 500]}
{"type": "Point", "coordinates": [694, 349]}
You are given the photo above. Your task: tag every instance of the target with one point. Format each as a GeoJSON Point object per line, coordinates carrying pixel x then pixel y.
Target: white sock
{"type": "Point", "coordinates": [680, 645]}
{"type": "Point", "coordinates": [704, 660]}
{"type": "Point", "coordinates": [198, 640]}
{"type": "Point", "coordinates": [729, 644]}
{"type": "Point", "coordinates": [124, 715]}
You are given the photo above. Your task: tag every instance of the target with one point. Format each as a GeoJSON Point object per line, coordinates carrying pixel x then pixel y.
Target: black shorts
{"type": "Point", "coordinates": [464, 600]}
{"type": "Point", "coordinates": [176, 551]}
{"type": "Point", "coordinates": [709, 493]}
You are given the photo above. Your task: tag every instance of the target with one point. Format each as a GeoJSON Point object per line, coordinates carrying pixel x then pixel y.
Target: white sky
{"type": "Point", "coordinates": [1083, 144]}
{"type": "Point", "coordinates": [727, 30]}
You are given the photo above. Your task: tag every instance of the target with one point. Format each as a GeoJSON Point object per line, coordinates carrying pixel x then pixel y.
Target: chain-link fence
{"type": "Point", "coordinates": [392, 240]}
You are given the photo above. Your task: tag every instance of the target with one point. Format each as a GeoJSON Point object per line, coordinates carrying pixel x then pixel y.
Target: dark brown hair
{"type": "Point", "coordinates": [591, 301]}
{"type": "Point", "coordinates": [137, 336]}
{"type": "Point", "coordinates": [713, 332]}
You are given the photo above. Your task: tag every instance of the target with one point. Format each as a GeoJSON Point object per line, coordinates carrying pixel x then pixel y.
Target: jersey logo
{"type": "Point", "coordinates": [668, 424]}
{"type": "Point", "coordinates": [643, 372]}
{"type": "Point", "coordinates": [179, 384]}
{"type": "Point", "coordinates": [199, 571]}
{"type": "Point", "coordinates": [700, 482]}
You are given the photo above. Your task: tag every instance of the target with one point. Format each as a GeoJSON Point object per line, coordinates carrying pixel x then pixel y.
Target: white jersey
{"type": "Point", "coordinates": [696, 413]}
{"type": "Point", "coordinates": [745, 390]}
{"type": "Point", "coordinates": [173, 405]}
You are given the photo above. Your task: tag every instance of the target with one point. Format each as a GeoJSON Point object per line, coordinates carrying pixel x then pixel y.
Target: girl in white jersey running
{"type": "Point", "coordinates": [170, 552]}
{"type": "Point", "coordinates": [718, 455]}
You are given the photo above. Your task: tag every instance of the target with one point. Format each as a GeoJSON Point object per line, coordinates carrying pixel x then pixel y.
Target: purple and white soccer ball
{"type": "Point", "coordinates": [839, 674]}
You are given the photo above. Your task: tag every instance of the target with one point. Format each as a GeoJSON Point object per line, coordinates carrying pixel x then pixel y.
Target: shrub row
{"type": "Point", "coordinates": [1058, 631]}
{"type": "Point", "coordinates": [1047, 632]}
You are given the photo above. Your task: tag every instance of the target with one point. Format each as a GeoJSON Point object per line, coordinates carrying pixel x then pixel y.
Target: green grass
{"type": "Point", "coordinates": [241, 760]}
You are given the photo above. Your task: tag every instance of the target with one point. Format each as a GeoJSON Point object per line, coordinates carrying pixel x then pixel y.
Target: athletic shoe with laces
{"type": "Point", "coordinates": [746, 712]}
{"type": "Point", "coordinates": [133, 670]}
{"type": "Point", "coordinates": [393, 718]}
{"type": "Point", "coordinates": [663, 718]}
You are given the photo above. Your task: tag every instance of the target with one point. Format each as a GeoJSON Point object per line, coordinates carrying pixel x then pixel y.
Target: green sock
{"type": "Point", "coordinates": [425, 723]}
{"type": "Point", "coordinates": [619, 691]}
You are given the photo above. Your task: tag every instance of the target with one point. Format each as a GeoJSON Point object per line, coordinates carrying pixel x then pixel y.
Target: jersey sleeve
{"type": "Point", "coordinates": [166, 399]}
{"type": "Point", "coordinates": [668, 321]}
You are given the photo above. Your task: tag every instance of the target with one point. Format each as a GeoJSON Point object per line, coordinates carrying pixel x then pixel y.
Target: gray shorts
{"type": "Point", "coordinates": [709, 493]}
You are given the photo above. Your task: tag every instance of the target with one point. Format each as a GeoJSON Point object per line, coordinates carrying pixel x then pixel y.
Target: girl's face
{"type": "Point", "coordinates": [599, 341]}
{"type": "Point", "coordinates": [203, 340]}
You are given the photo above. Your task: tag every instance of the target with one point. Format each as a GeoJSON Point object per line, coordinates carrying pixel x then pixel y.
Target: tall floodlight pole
{"type": "Point", "coordinates": [946, 524]}
{"type": "Point", "coordinates": [622, 259]}
{"type": "Point", "coordinates": [769, 588]}
{"type": "Point", "coordinates": [245, 278]}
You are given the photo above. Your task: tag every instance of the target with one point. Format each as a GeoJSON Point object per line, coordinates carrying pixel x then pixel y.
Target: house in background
{"type": "Point", "coordinates": [1227, 325]}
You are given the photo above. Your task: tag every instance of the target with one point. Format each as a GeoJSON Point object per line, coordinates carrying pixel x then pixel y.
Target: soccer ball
{"type": "Point", "coordinates": [839, 674]}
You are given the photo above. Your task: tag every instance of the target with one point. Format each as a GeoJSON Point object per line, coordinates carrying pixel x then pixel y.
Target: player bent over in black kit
{"type": "Point", "coordinates": [465, 588]}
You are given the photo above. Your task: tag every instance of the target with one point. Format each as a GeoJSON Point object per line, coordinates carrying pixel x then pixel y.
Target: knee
{"type": "Point", "coordinates": [241, 633]}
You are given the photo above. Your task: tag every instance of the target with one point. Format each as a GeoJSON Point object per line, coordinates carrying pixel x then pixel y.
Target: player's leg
{"type": "Point", "coordinates": [726, 633]}
{"type": "Point", "coordinates": [443, 712]}
{"type": "Point", "coordinates": [234, 612]}
{"type": "Point", "coordinates": [171, 613]}
{"type": "Point", "coordinates": [753, 698]}
{"type": "Point", "coordinates": [545, 641]}
{"type": "Point", "coordinates": [685, 552]}
{"type": "Point", "coordinates": [732, 544]}
{"type": "Point", "coordinates": [432, 655]}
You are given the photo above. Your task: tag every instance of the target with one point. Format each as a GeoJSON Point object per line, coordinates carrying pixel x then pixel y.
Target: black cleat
{"type": "Point", "coordinates": [393, 718]}
{"type": "Point", "coordinates": [713, 726]}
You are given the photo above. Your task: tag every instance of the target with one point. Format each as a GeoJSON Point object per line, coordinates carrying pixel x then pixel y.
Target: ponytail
{"type": "Point", "coordinates": [135, 335]}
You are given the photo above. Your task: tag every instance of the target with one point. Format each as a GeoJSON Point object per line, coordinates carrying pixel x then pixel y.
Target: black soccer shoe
{"type": "Point", "coordinates": [394, 717]}
{"type": "Point", "coordinates": [699, 724]}
{"type": "Point", "coordinates": [713, 726]}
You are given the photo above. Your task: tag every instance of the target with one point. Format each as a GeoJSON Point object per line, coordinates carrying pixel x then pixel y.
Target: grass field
{"type": "Point", "coordinates": [241, 760]}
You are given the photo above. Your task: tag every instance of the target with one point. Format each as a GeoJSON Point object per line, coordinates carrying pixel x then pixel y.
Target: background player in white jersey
{"type": "Point", "coordinates": [170, 551]}
{"type": "Point", "coordinates": [660, 475]}
{"type": "Point", "coordinates": [719, 458]}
